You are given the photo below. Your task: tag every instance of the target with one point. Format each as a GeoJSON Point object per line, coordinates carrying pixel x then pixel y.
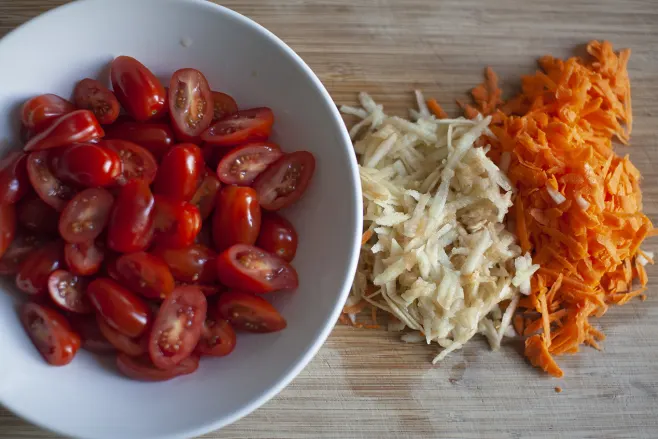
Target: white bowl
{"type": "Point", "coordinates": [88, 398]}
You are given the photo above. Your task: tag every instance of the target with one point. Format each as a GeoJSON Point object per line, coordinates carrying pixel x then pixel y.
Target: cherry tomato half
{"type": "Point", "coordinates": [193, 264]}
{"type": "Point", "coordinates": [37, 266]}
{"type": "Point", "coordinates": [68, 291]}
{"type": "Point", "coordinates": [277, 236]}
{"type": "Point", "coordinates": [137, 163]}
{"type": "Point", "coordinates": [88, 165]}
{"type": "Point", "coordinates": [14, 182]}
{"type": "Point", "coordinates": [285, 181]}
{"type": "Point", "coordinates": [76, 127]}
{"type": "Point", "coordinates": [157, 138]}
{"type": "Point", "coordinates": [190, 104]}
{"type": "Point", "coordinates": [223, 105]}
{"type": "Point", "coordinates": [237, 217]}
{"type": "Point", "coordinates": [138, 90]}
{"type": "Point", "coordinates": [51, 333]}
{"type": "Point", "coordinates": [177, 328]}
{"type": "Point", "coordinates": [248, 268]}
{"type": "Point", "coordinates": [176, 223]}
{"type": "Point", "coordinates": [49, 188]}
{"type": "Point", "coordinates": [120, 308]}
{"type": "Point", "coordinates": [206, 194]}
{"type": "Point", "coordinates": [217, 336]}
{"type": "Point", "coordinates": [247, 312]}
{"type": "Point", "coordinates": [20, 248]}
{"type": "Point", "coordinates": [145, 274]}
{"type": "Point", "coordinates": [244, 126]}
{"type": "Point", "coordinates": [36, 216]}
{"type": "Point", "coordinates": [84, 259]}
{"type": "Point", "coordinates": [40, 111]}
{"type": "Point", "coordinates": [86, 215]}
{"type": "Point", "coordinates": [7, 226]}
{"type": "Point", "coordinates": [243, 164]}
{"type": "Point", "coordinates": [91, 95]}
{"type": "Point", "coordinates": [130, 346]}
{"type": "Point", "coordinates": [180, 171]}
{"type": "Point", "coordinates": [141, 368]}
{"type": "Point", "coordinates": [131, 221]}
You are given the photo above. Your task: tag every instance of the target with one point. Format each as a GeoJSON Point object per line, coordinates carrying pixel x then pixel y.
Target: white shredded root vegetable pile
{"type": "Point", "coordinates": [439, 258]}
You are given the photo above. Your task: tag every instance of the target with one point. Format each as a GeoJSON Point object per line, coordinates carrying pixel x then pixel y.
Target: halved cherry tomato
{"type": "Point", "coordinates": [180, 172]}
{"type": "Point", "coordinates": [157, 138]}
{"type": "Point", "coordinates": [244, 126]}
{"type": "Point", "coordinates": [247, 312]}
{"type": "Point", "coordinates": [91, 95]}
{"type": "Point", "coordinates": [51, 333]}
{"type": "Point", "coordinates": [237, 217]}
{"type": "Point", "coordinates": [145, 274]}
{"type": "Point", "coordinates": [88, 165]}
{"type": "Point", "coordinates": [35, 215]}
{"type": "Point", "coordinates": [84, 259]}
{"type": "Point", "coordinates": [49, 188]}
{"type": "Point", "coordinates": [217, 336]}
{"type": "Point", "coordinates": [141, 368]}
{"type": "Point", "coordinates": [131, 221]}
{"type": "Point", "coordinates": [210, 290]}
{"type": "Point", "coordinates": [194, 264]}
{"type": "Point", "coordinates": [243, 164]}
{"type": "Point", "coordinates": [205, 196]}
{"type": "Point", "coordinates": [277, 236]}
{"type": "Point", "coordinates": [138, 90]}
{"type": "Point", "coordinates": [76, 127]}
{"type": "Point", "coordinates": [285, 181]}
{"type": "Point", "coordinates": [248, 268]}
{"type": "Point", "coordinates": [20, 248]}
{"type": "Point", "coordinates": [40, 111]}
{"type": "Point", "coordinates": [36, 268]}
{"type": "Point", "coordinates": [93, 339]}
{"type": "Point", "coordinates": [7, 226]}
{"type": "Point", "coordinates": [223, 105]}
{"type": "Point", "coordinates": [176, 223]}
{"type": "Point", "coordinates": [190, 104]}
{"type": "Point", "coordinates": [137, 163]}
{"type": "Point", "coordinates": [68, 291]}
{"type": "Point", "coordinates": [14, 182]}
{"type": "Point", "coordinates": [122, 343]}
{"type": "Point", "coordinates": [86, 215]}
{"type": "Point", "coordinates": [120, 308]}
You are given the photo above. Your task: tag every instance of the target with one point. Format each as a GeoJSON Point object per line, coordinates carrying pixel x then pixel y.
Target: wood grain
{"type": "Point", "coordinates": [366, 384]}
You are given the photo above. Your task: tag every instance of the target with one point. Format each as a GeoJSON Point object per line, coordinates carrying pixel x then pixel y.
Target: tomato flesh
{"type": "Point", "coordinates": [190, 104]}
{"type": "Point", "coordinates": [243, 164]}
{"type": "Point", "coordinates": [157, 138]}
{"type": "Point", "coordinates": [50, 333]}
{"type": "Point", "coordinates": [180, 171]}
{"type": "Point", "coordinates": [176, 223]}
{"type": "Point", "coordinates": [250, 313]}
{"type": "Point", "coordinates": [277, 236]}
{"type": "Point", "coordinates": [86, 215]}
{"type": "Point", "coordinates": [284, 182]}
{"type": "Point", "coordinates": [223, 105]}
{"type": "Point", "coordinates": [217, 336]}
{"type": "Point", "coordinates": [88, 165]}
{"type": "Point", "coordinates": [39, 112]}
{"type": "Point", "coordinates": [244, 126]}
{"type": "Point", "coordinates": [145, 274]}
{"type": "Point", "coordinates": [76, 127]}
{"type": "Point", "coordinates": [90, 94]}
{"type": "Point", "coordinates": [14, 181]}
{"type": "Point", "coordinates": [49, 188]}
{"type": "Point", "coordinates": [120, 308]}
{"type": "Point", "coordinates": [237, 217]}
{"type": "Point", "coordinates": [84, 259]}
{"type": "Point", "coordinates": [35, 270]}
{"type": "Point", "coordinates": [205, 196]}
{"type": "Point", "coordinates": [141, 368]}
{"type": "Point", "coordinates": [193, 264]}
{"type": "Point", "coordinates": [68, 291]}
{"type": "Point", "coordinates": [138, 90]}
{"type": "Point", "coordinates": [131, 221]}
{"type": "Point", "coordinates": [137, 163]}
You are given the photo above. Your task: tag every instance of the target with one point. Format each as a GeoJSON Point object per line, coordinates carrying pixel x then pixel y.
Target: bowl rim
{"type": "Point", "coordinates": [296, 367]}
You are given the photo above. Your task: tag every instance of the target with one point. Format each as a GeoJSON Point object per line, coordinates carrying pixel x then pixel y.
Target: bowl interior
{"type": "Point", "coordinates": [88, 398]}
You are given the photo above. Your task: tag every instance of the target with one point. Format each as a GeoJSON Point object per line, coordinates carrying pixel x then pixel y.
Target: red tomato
{"type": "Point", "coordinates": [250, 269]}
{"type": "Point", "coordinates": [86, 215]}
{"type": "Point", "coordinates": [285, 181]}
{"type": "Point", "coordinates": [120, 308]}
{"type": "Point", "coordinates": [141, 368]}
{"type": "Point", "coordinates": [277, 236]}
{"type": "Point", "coordinates": [244, 126]}
{"type": "Point", "coordinates": [92, 338]}
{"type": "Point", "coordinates": [40, 111]}
{"type": "Point", "coordinates": [129, 346]}
{"type": "Point", "coordinates": [36, 216]}
{"type": "Point", "coordinates": [145, 274]}
{"type": "Point", "coordinates": [37, 266]}
{"type": "Point", "coordinates": [138, 90]}
{"type": "Point", "coordinates": [247, 312]}
{"type": "Point", "coordinates": [76, 127]}
{"type": "Point", "coordinates": [223, 105]}
{"type": "Point", "coordinates": [131, 221]}
{"type": "Point", "coordinates": [194, 264]}
{"type": "Point", "coordinates": [51, 333]}
{"type": "Point", "coordinates": [217, 336]}
{"type": "Point", "coordinates": [205, 235]}
{"type": "Point", "coordinates": [180, 172]}
{"type": "Point", "coordinates": [68, 291]}
{"type": "Point", "coordinates": [91, 95]}
{"type": "Point", "coordinates": [243, 164]}
{"type": "Point", "coordinates": [176, 223]}
{"type": "Point", "coordinates": [206, 194]}
{"type": "Point", "coordinates": [177, 327]}
{"type": "Point", "coordinates": [88, 165]}
{"type": "Point", "coordinates": [84, 259]}
{"type": "Point", "coordinates": [210, 290]}
{"type": "Point", "coordinates": [49, 188]}
{"type": "Point", "coordinates": [137, 163]}
{"type": "Point", "coordinates": [190, 104]}
{"type": "Point", "coordinates": [21, 247]}
{"type": "Point", "coordinates": [237, 217]}
{"type": "Point", "coordinates": [14, 182]}
{"type": "Point", "coordinates": [157, 138]}
{"type": "Point", "coordinates": [7, 226]}
{"type": "Point", "coordinates": [212, 155]}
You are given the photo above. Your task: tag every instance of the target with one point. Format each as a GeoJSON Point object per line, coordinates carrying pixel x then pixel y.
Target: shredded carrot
{"type": "Point", "coordinates": [366, 236]}
{"type": "Point", "coordinates": [436, 109]}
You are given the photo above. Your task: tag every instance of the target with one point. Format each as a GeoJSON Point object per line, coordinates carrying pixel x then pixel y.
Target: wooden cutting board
{"type": "Point", "coordinates": [367, 384]}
